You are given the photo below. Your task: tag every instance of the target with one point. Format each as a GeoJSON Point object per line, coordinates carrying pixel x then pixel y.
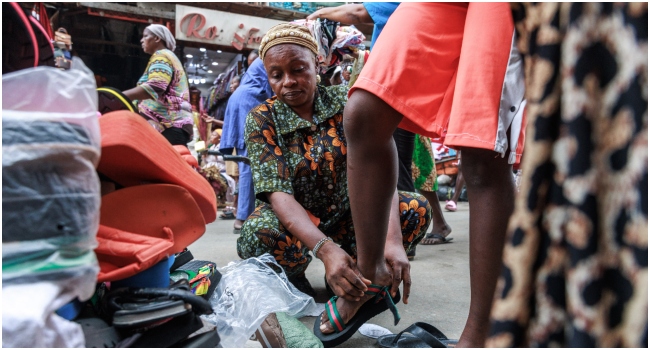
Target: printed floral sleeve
{"type": "Point", "coordinates": [268, 165]}
{"type": "Point", "coordinates": [159, 75]}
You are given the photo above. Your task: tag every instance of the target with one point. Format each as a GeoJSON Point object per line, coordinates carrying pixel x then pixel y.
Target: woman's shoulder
{"type": "Point", "coordinates": [166, 55]}
{"type": "Point", "coordinates": [266, 107]}
{"type": "Point", "coordinates": [332, 98]}
{"type": "Point", "coordinates": [336, 90]}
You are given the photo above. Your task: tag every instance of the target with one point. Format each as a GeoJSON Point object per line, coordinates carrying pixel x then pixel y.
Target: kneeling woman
{"type": "Point", "coordinates": [297, 148]}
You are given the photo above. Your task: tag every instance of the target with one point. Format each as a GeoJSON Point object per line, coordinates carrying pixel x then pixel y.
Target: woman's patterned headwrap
{"type": "Point", "coordinates": [287, 33]}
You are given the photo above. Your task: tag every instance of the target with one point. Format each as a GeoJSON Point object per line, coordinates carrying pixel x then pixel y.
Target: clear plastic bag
{"type": "Point", "coordinates": [249, 291]}
{"type": "Point", "coordinates": [50, 190]}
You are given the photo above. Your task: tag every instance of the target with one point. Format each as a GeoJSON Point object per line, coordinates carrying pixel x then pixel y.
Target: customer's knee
{"type": "Point", "coordinates": [484, 168]}
{"type": "Point", "coordinates": [367, 115]}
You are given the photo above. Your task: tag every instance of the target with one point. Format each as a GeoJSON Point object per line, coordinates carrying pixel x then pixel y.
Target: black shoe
{"type": "Point", "coordinates": [302, 284]}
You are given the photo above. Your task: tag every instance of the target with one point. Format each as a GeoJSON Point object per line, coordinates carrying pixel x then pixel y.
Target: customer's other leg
{"type": "Point", "coordinates": [405, 142]}
{"type": "Point", "coordinates": [490, 191]}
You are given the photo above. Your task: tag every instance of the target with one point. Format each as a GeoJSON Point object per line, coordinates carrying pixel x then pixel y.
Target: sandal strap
{"type": "Point", "coordinates": [333, 315]}
{"type": "Point", "coordinates": [382, 293]}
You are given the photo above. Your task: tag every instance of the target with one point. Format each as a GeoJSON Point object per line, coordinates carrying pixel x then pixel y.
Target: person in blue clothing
{"type": "Point", "coordinates": [254, 89]}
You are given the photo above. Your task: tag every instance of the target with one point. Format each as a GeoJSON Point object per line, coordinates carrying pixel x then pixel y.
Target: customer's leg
{"type": "Point", "coordinates": [371, 196]}
{"type": "Point", "coordinates": [490, 191]}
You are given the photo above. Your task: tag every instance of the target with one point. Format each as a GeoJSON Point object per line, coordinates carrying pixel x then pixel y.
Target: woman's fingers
{"type": "Point", "coordinates": [353, 276]}
{"type": "Point", "coordinates": [407, 284]}
{"type": "Point", "coordinates": [397, 279]}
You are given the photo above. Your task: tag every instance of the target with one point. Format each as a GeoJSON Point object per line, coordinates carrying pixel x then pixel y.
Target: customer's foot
{"type": "Point", "coordinates": [347, 309]}
{"type": "Point", "coordinates": [302, 284]}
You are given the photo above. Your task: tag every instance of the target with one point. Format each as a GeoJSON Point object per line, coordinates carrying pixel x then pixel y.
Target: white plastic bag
{"type": "Point", "coordinates": [50, 189]}
{"type": "Point", "coordinates": [249, 291]}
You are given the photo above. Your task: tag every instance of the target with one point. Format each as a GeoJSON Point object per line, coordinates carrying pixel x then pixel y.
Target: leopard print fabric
{"type": "Point", "coordinates": [575, 263]}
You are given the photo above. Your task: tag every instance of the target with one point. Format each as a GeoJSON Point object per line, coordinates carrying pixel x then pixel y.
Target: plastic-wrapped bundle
{"type": "Point", "coordinates": [50, 189]}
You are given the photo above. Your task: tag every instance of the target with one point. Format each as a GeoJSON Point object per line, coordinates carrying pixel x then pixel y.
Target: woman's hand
{"type": "Point", "coordinates": [396, 259]}
{"type": "Point", "coordinates": [400, 268]}
{"type": "Point", "coordinates": [341, 273]}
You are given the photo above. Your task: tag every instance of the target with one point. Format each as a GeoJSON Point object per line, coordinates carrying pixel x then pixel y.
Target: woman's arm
{"type": "Point", "coordinates": [158, 79]}
{"type": "Point", "coordinates": [347, 14]}
{"type": "Point", "coordinates": [341, 271]}
{"type": "Point", "coordinates": [137, 93]}
{"type": "Point", "coordinates": [295, 219]}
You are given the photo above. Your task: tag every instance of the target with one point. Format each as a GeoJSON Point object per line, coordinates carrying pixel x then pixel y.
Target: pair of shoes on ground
{"type": "Point", "coordinates": [417, 335]}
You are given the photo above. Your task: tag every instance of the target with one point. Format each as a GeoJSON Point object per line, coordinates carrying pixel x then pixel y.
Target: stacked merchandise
{"type": "Point", "coordinates": [51, 200]}
{"type": "Point", "coordinates": [154, 204]}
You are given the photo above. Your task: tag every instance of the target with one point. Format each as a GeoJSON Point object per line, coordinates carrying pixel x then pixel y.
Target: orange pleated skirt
{"type": "Point", "coordinates": [443, 67]}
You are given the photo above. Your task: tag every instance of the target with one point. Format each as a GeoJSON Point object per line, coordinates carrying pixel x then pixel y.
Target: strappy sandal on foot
{"type": "Point", "coordinates": [371, 308]}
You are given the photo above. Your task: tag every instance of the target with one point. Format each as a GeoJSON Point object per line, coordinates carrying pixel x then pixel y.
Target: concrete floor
{"type": "Point", "coordinates": [440, 293]}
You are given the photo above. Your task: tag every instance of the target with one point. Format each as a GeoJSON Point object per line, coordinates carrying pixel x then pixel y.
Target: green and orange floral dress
{"type": "Point", "coordinates": [308, 160]}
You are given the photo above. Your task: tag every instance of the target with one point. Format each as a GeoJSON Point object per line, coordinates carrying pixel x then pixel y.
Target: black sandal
{"type": "Point", "coordinates": [417, 335]}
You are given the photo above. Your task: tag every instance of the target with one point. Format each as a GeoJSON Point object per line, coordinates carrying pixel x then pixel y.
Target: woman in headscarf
{"type": "Point", "coordinates": [298, 154]}
{"type": "Point", "coordinates": [163, 90]}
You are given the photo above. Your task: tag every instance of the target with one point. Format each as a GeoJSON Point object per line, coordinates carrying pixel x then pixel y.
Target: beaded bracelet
{"type": "Point", "coordinates": [319, 245]}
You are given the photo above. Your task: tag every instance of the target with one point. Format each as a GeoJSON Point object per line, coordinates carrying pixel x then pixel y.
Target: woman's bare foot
{"type": "Point", "coordinates": [238, 224]}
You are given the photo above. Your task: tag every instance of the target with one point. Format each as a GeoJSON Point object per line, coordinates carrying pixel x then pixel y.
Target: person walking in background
{"type": "Point", "coordinates": [254, 54]}
{"type": "Point", "coordinates": [163, 89]}
{"type": "Point", "coordinates": [452, 203]}
{"type": "Point", "coordinates": [425, 179]}
{"type": "Point", "coordinates": [253, 89]}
